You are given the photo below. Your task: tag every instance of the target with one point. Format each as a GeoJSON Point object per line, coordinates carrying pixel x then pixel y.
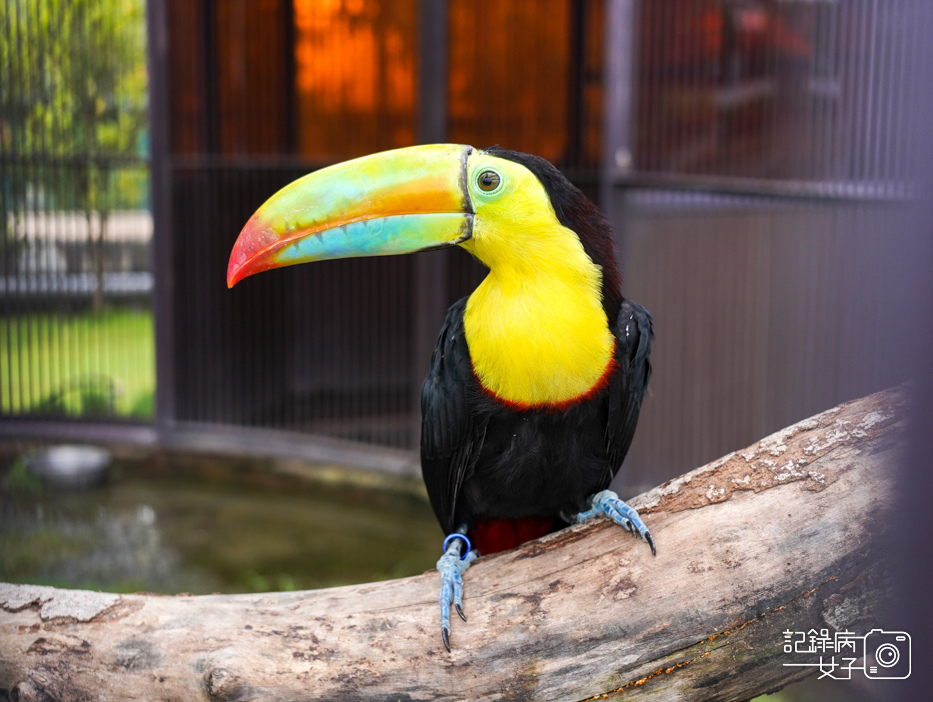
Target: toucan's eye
{"type": "Point", "coordinates": [488, 181]}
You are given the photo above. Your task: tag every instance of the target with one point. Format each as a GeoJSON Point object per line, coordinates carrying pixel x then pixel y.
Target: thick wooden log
{"type": "Point", "coordinates": [783, 535]}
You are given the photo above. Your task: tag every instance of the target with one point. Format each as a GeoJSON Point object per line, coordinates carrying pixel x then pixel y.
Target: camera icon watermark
{"type": "Point", "coordinates": [879, 654]}
{"type": "Point", "coordinates": [887, 654]}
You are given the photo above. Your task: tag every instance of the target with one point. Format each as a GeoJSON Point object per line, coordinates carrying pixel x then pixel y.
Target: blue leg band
{"type": "Point", "coordinates": [458, 535]}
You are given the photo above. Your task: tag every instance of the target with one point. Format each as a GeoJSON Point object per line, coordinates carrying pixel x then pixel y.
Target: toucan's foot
{"type": "Point", "coordinates": [608, 503]}
{"type": "Point", "coordinates": [451, 567]}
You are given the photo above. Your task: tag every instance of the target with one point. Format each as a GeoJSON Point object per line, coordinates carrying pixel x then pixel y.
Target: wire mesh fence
{"type": "Point", "coordinates": [287, 87]}
{"type": "Point", "coordinates": [764, 189]}
{"type": "Point", "coordinates": [782, 91]}
{"type": "Point", "coordinates": [754, 156]}
{"type": "Point", "coordinates": [75, 231]}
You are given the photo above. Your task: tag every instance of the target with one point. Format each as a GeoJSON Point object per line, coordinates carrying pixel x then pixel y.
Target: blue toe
{"type": "Point", "coordinates": [451, 567]}
{"type": "Point", "coordinates": [609, 503]}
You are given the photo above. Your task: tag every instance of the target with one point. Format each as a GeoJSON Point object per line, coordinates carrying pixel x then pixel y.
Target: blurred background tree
{"type": "Point", "coordinates": [73, 111]}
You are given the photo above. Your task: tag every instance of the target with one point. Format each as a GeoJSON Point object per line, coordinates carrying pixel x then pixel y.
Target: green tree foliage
{"type": "Point", "coordinates": [75, 91]}
{"type": "Point", "coordinates": [73, 107]}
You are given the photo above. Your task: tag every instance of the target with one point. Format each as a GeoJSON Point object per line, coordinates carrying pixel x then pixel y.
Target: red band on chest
{"type": "Point", "coordinates": [563, 405]}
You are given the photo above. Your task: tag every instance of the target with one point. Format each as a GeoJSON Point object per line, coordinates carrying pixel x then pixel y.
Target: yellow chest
{"type": "Point", "coordinates": [538, 342]}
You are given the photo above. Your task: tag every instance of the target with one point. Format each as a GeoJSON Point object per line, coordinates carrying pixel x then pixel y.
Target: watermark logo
{"type": "Point", "coordinates": [884, 655]}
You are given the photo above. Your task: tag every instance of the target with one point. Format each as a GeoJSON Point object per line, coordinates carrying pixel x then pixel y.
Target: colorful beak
{"type": "Point", "coordinates": [392, 202]}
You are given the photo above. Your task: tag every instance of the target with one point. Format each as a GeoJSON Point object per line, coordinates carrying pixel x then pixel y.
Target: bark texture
{"type": "Point", "coordinates": [787, 534]}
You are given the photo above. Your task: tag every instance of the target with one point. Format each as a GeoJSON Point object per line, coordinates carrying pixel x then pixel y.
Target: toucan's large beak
{"type": "Point", "coordinates": [389, 203]}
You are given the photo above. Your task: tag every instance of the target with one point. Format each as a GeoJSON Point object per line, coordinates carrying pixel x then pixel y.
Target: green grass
{"type": "Point", "coordinates": [81, 364]}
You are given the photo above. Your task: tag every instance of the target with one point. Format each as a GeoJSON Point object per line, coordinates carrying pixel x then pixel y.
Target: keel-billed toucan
{"type": "Point", "coordinates": [537, 379]}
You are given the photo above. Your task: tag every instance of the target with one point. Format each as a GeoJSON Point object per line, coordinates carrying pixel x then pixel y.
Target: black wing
{"type": "Point", "coordinates": [451, 434]}
{"type": "Point", "coordinates": [633, 332]}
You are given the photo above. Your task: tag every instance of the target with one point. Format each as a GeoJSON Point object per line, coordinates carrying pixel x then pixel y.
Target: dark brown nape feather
{"type": "Point", "coordinates": [578, 213]}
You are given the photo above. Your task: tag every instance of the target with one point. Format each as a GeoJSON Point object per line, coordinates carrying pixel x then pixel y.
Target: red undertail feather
{"type": "Point", "coordinates": [493, 535]}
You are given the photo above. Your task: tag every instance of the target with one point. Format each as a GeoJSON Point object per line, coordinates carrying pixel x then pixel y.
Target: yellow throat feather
{"type": "Point", "coordinates": [535, 327]}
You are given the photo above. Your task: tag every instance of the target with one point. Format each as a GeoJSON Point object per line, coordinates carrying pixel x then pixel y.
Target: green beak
{"type": "Point", "coordinates": [388, 203]}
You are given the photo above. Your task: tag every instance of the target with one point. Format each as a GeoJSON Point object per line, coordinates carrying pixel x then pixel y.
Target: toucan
{"type": "Point", "coordinates": [537, 378]}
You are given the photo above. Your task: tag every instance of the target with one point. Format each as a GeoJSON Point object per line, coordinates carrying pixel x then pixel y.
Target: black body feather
{"type": "Point", "coordinates": [484, 460]}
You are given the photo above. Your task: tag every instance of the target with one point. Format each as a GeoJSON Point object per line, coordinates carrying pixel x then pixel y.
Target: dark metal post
{"type": "Point", "coordinates": [210, 119]}
{"type": "Point", "coordinates": [914, 519]}
{"type": "Point", "coordinates": [161, 189]}
{"type": "Point", "coordinates": [432, 107]}
{"type": "Point", "coordinates": [577, 91]}
{"type": "Point", "coordinates": [430, 302]}
{"type": "Point", "coordinates": [290, 145]}
{"type": "Point", "coordinates": [618, 103]}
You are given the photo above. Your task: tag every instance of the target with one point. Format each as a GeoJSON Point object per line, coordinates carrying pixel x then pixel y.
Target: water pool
{"type": "Point", "coordinates": [179, 523]}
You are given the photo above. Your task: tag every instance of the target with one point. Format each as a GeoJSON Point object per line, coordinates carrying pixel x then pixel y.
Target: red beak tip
{"type": "Point", "coordinates": [233, 276]}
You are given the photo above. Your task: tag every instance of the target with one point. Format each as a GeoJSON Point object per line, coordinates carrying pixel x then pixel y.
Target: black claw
{"type": "Point", "coordinates": [446, 636]}
{"type": "Point", "coordinates": [460, 612]}
{"type": "Point", "coordinates": [650, 540]}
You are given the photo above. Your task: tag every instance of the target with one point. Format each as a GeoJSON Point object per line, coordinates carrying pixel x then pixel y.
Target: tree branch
{"type": "Point", "coordinates": [783, 535]}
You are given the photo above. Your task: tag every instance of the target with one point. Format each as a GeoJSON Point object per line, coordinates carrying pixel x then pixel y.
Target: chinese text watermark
{"type": "Point", "coordinates": [884, 655]}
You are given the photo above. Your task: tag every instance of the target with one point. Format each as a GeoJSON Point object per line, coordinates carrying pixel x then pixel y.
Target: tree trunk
{"type": "Point", "coordinates": [98, 246]}
{"type": "Point", "coordinates": [785, 535]}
